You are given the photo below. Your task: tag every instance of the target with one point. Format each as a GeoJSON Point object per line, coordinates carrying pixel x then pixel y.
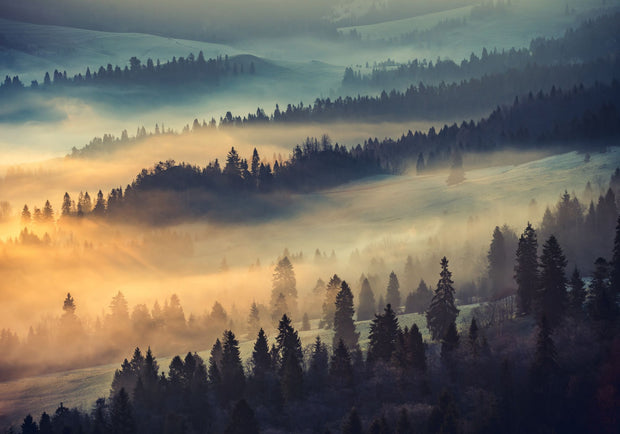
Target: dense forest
{"type": "Point", "coordinates": [550, 364]}
{"type": "Point", "coordinates": [173, 74]}
{"type": "Point", "coordinates": [592, 40]}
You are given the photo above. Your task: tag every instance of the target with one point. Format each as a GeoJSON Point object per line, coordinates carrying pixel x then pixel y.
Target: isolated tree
{"type": "Point", "coordinates": [233, 378]}
{"type": "Point", "coordinates": [26, 217]}
{"type": "Point", "coordinates": [552, 294]}
{"type": "Point", "coordinates": [498, 262]}
{"type": "Point", "coordinates": [383, 335]}
{"type": "Point", "coordinates": [48, 212]}
{"type": "Point", "coordinates": [253, 318]}
{"type": "Point", "coordinates": [66, 205]}
{"type": "Point", "coordinates": [344, 328]}
{"type": "Point", "coordinates": [526, 270]}
{"type": "Point", "coordinates": [284, 282]}
{"type": "Point", "coordinates": [442, 312]}
{"type": "Point", "coordinates": [366, 308]}
{"type": "Point", "coordinates": [329, 304]}
{"type": "Point", "coordinates": [261, 360]}
{"type": "Point", "coordinates": [68, 305]}
{"type": "Point", "coordinates": [393, 292]}
{"type": "Point", "coordinates": [242, 420]}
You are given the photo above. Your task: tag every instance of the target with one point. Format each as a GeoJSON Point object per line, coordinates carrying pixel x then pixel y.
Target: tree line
{"type": "Point", "coordinates": [173, 73]}
{"type": "Point", "coordinates": [587, 43]}
{"type": "Point", "coordinates": [549, 368]}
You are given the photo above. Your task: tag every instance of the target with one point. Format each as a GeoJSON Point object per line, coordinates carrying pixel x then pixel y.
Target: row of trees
{"type": "Point", "coordinates": [464, 380]}
{"type": "Point", "coordinates": [172, 73]}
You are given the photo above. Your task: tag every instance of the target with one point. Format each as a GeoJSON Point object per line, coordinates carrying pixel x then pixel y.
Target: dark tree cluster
{"type": "Point", "coordinates": [463, 381]}
{"type": "Point", "coordinates": [173, 73]}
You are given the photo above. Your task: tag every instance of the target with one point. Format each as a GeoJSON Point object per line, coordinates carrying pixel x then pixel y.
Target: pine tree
{"type": "Point", "coordinates": [29, 426]}
{"type": "Point", "coordinates": [497, 261]}
{"type": "Point", "coordinates": [393, 292]}
{"type": "Point", "coordinates": [68, 305]}
{"type": "Point", "coordinates": [45, 424]}
{"type": "Point", "coordinates": [526, 270]}
{"type": "Point", "coordinates": [255, 166]}
{"type": "Point", "coordinates": [48, 212]}
{"type": "Point", "coordinates": [366, 308]}
{"type": "Point", "coordinates": [344, 328]}
{"type": "Point", "coordinates": [284, 282]}
{"type": "Point", "coordinates": [233, 378]}
{"type": "Point", "coordinates": [289, 348]}
{"type": "Point", "coordinates": [242, 420]}
{"type": "Point", "coordinates": [279, 308]}
{"type": "Point", "coordinates": [600, 302]}
{"type": "Point", "coordinates": [352, 424]}
{"type": "Point", "coordinates": [253, 319]}
{"type": "Point", "coordinates": [442, 312]}
{"type": "Point", "coordinates": [546, 357]}
{"type": "Point", "coordinates": [577, 295]}
{"type": "Point", "coordinates": [417, 349]}
{"type": "Point", "coordinates": [383, 335]}
{"type": "Point", "coordinates": [99, 208]}
{"type": "Point", "coordinates": [261, 360]}
{"type": "Point", "coordinates": [552, 296]}
{"type": "Point", "coordinates": [215, 366]}
{"type": "Point", "coordinates": [423, 297]}
{"type": "Point", "coordinates": [26, 217]}
{"type": "Point", "coordinates": [66, 205]}
{"type": "Point", "coordinates": [449, 343]}
{"type": "Point", "coordinates": [318, 364]}
{"type": "Point", "coordinates": [329, 304]}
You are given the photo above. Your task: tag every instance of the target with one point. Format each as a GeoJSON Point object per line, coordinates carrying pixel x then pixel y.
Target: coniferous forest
{"type": "Point", "coordinates": [333, 216]}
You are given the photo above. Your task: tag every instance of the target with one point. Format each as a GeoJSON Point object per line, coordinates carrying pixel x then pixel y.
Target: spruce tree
{"type": "Point", "coordinates": [29, 426]}
{"type": "Point", "coordinates": [497, 261]}
{"type": "Point", "coordinates": [253, 319]}
{"type": "Point", "coordinates": [284, 282]}
{"type": "Point", "coordinates": [615, 263]}
{"type": "Point", "coordinates": [417, 349]}
{"type": "Point", "coordinates": [261, 360]}
{"type": "Point", "coordinates": [289, 348]}
{"type": "Point", "coordinates": [344, 328]}
{"type": "Point", "coordinates": [552, 297]}
{"type": "Point", "coordinates": [318, 370]}
{"type": "Point", "coordinates": [329, 304]}
{"type": "Point", "coordinates": [526, 270]}
{"type": "Point", "coordinates": [442, 312]}
{"type": "Point", "coordinates": [366, 308]}
{"type": "Point", "coordinates": [233, 378]}
{"type": "Point", "coordinates": [393, 292]}
{"type": "Point", "coordinates": [546, 357]}
{"type": "Point", "coordinates": [383, 335]}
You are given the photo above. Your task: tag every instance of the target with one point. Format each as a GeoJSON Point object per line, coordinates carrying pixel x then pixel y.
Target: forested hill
{"type": "Point", "coordinates": [579, 118]}
{"type": "Point", "coordinates": [590, 41]}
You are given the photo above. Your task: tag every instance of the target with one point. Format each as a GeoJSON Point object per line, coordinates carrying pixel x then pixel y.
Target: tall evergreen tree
{"type": "Point", "coordinates": [233, 378]}
{"type": "Point", "coordinates": [383, 335]}
{"type": "Point", "coordinates": [442, 312]}
{"type": "Point", "coordinates": [366, 308]}
{"type": "Point", "coordinates": [393, 292]}
{"type": "Point", "coordinates": [253, 319]}
{"type": "Point", "coordinates": [526, 270]}
{"type": "Point", "coordinates": [417, 349]}
{"type": "Point", "coordinates": [284, 282]}
{"type": "Point", "coordinates": [552, 296]}
{"type": "Point", "coordinates": [329, 304]}
{"type": "Point", "coordinates": [29, 426]}
{"type": "Point", "coordinates": [318, 370]}
{"type": "Point", "coordinates": [66, 205]}
{"type": "Point", "coordinates": [498, 262]}
{"type": "Point", "coordinates": [26, 217]}
{"type": "Point", "coordinates": [344, 328]}
{"type": "Point", "coordinates": [261, 360]}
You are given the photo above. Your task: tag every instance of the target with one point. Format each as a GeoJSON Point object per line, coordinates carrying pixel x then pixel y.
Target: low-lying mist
{"type": "Point", "coordinates": [369, 227]}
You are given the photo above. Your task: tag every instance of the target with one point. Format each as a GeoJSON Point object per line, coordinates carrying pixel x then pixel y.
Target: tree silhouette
{"type": "Point", "coordinates": [526, 270]}
{"type": "Point", "coordinates": [366, 308]}
{"type": "Point", "coordinates": [393, 293]}
{"type": "Point", "coordinates": [329, 304]}
{"type": "Point", "coordinates": [344, 328]}
{"type": "Point", "coordinates": [383, 336]}
{"type": "Point", "coordinates": [442, 312]}
{"type": "Point", "coordinates": [552, 296]}
{"type": "Point", "coordinates": [242, 420]}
